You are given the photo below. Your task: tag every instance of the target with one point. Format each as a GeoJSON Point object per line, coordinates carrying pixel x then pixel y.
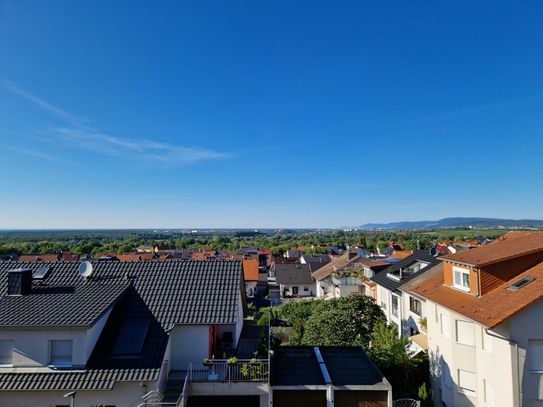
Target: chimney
{"type": "Point", "coordinates": [19, 281]}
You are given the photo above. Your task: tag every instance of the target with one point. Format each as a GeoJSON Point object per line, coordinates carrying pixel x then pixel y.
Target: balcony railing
{"type": "Point", "coordinates": [347, 280]}
{"type": "Point", "coordinates": [242, 371]}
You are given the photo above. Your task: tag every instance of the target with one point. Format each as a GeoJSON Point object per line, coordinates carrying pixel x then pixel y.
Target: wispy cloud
{"type": "Point", "coordinates": [40, 155]}
{"type": "Point", "coordinates": [467, 111]}
{"type": "Point", "coordinates": [80, 135]}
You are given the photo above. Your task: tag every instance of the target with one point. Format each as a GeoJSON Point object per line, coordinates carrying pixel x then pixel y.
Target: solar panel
{"type": "Point", "coordinates": [41, 274]}
{"type": "Point", "coordinates": [130, 340]}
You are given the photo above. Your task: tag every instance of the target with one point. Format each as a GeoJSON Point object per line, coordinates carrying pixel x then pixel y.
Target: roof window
{"type": "Point", "coordinates": [520, 283]}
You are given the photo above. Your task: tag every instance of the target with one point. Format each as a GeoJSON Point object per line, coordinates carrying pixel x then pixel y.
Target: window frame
{"type": "Point", "coordinates": [459, 279]}
{"type": "Point", "coordinates": [6, 352]}
{"type": "Point", "coordinates": [57, 356]}
{"type": "Point", "coordinates": [465, 332]}
{"type": "Point", "coordinates": [395, 307]}
{"type": "Point", "coordinates": [466, 377]}
{"type": "Point", "coordinates": [414, 301]}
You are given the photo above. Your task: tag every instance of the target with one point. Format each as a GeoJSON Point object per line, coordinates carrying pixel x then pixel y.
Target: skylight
{"type": "Point", "coordinates": [130, 340]}
{"type": "Point", "coordinates": [520, 283]}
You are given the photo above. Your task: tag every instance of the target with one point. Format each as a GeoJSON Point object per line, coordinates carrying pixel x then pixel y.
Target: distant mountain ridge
{"type": "Point", "coordinates": [477, 223]}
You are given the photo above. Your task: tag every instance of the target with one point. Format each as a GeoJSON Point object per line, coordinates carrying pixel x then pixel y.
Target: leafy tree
{"type": "Point", "coordinates": [316, 250]}
{"type": "Point", "coordinates": [343, 321]}
{"type": "Point", "coordinates": [396, 361]}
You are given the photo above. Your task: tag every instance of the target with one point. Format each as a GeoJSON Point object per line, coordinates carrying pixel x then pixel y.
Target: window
{"type": "Point", "coordinates": [445, 328]}
{"type": "Point", "coordinates": [383, 305]}
{"type": "Point", "coordinates": [306, 288]}
{"type": "Point", "coordinates": [395, 305]}
{"type": "Point", "coordinates": [6, 353]}
{"type": "Point", "coordinates": [130, 340]}
{"type": "Point", "coordinates": [535, 355]}
{"type": "Point", "coordinates": [465, 333]}
{"type": "Point", "coordinates": [489, 394]}
{"type": "Point", "coordinates": [415, 306]}
{"type": "Point", "coordinates": [60, 353]}
{"type": "Point", "coordinates": [461, 278]}
{"type": "Point", "coordinates": [487, 341]}
{"type": "Point", "coordinates": [467, 382]}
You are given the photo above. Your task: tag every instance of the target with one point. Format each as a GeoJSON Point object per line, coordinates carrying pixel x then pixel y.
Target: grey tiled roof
{"type": "Point", "coordinates": [293, 274]}
{"type": "Point", "coordinates": [383, 280]}
{"type": "Point", "coordinates": [159, 293]}
{"type": "Point", "coordinates": [178, 292]}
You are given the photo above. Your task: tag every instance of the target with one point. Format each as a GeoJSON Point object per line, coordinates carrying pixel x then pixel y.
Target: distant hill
{"type": "Point", "coordinates": [477, 223]}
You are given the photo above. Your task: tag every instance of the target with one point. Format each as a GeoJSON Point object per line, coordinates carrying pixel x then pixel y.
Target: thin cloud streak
{"type": "Point", "coordinates": [466, 111]}
{"type": "Point", "coordinates": [86, 138]}
{"type": "Point", "coordinates": [40, 155]}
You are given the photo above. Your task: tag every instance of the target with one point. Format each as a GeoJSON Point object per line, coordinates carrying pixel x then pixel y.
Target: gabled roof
{"type": "Point", "coordinates": [315, 258]}
{"type": "Point", "coordinates": [391, 284]}
{"type": "Point", "coordinates": [510, 245]}
{"type": "Point", "coordinates": [157, 293]}
{"type": "Point", "coordinates": [129, 257]}
{"type": "Point", "coordinates": [250, 270]}
{"type": "Point", "coordinates": [341, 261]}
{"type": "Point", "coordinates": [38, 257]}
{"type": "Point", "coordinates": [293, 274]}
{"type": "Point", "coordinates": [181, 292]}
{"type": "Point", "coordinates": [490, 309]}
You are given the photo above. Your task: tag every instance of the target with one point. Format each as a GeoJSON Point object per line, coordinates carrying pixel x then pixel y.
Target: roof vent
{"type": "Point", "coordinates": [521, 283]}
{"type": "Point", "coordinates": [19, 281]}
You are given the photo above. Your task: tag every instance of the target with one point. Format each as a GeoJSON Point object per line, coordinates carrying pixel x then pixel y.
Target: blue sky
{"type": "Point", "coordinates": [268, 114]}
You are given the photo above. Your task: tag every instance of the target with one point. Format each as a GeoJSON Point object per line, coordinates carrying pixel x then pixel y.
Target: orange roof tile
{"type": "Point", "coordinates": [511, 245]}
{"type": "Point", "coordinates": [250, 270]}
{"type": "Point", "coordinates": [128, 257]}
{"type": "Point", "coordinates": [491, 309]}
{"type": "Point", "coordinates": [38, 257]}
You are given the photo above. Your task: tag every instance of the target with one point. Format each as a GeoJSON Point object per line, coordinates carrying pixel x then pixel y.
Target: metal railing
{"type": "Point", "coordinates": [152, 399]}
{"type": "Point", "coordinates": [183, 398]}
{"type": "Point", "coordinates": [242, 371]}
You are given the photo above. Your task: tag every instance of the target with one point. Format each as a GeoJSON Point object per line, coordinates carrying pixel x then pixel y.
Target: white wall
{"type": "Point", "coordinates": [524, 327]}
{"type": "Point", "coordinates": [94, 333]}
{"type": "Point", "coordinates": [189, 343]}
{"type": "Point", "coordinates": [123, 394]}
{"type": "Point", "coordinates": [31, 346]}
{"type": "Point", "coordinates": [311, 289]}
{"type": "Point", "coordinates": [493, 366]}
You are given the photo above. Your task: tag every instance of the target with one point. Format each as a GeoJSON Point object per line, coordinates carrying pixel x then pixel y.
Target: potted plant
{"type": "Point", "coordinates": [207, 362]}
{"type": "Point", "coordinates": [232, 361]}
{"type": "Point", "coordinates": [423, 323]}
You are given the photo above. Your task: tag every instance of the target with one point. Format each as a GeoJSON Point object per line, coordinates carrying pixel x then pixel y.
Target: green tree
{"type": "Point", "coordinates": [342, 322]}
{"type": "Point", "coordinates": [396, 361]}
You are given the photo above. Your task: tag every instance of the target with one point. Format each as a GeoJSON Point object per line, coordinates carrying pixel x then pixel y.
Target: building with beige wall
{"type": "Point", "coordinates": [485, 336]}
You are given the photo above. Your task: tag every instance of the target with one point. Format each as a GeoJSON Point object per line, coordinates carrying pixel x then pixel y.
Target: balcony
{"type": "Point", "coordinates": [348, 277]}
{"type": "Point", "coordinates": [245, 370]}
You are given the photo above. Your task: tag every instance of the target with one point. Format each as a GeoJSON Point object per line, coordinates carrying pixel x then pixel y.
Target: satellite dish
{"type": "Point", "coordinates": [85, 269]}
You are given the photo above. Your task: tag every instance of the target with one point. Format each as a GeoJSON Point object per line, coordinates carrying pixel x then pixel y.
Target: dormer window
{"type": "Point", "coordinates": [461, 278]}
{"type": "Point", "coordinates": [60, 353]}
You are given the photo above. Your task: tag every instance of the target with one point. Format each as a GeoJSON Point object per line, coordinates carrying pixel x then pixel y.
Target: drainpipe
{"type": "Point", "coordinates": [518, 362]}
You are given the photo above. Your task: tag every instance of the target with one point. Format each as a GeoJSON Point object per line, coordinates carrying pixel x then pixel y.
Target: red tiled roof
{"type": "Point", "coordinates": [250, 270]}
{"type": "Point", "coordinates": [38, 257]}
{"type": "Point", "coordinates": [129, 257]}
{"type": "Point", "coordinates": [491, 309]}
{"type": "Point", "coordinates": [67, 256]}
{"type": "Point", "coordinates": [510, 245]}
{"type": "Point", "coordinates": [147, 256]}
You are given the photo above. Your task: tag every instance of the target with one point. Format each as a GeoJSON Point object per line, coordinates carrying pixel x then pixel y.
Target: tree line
{"type": "Point", "coordinates": [278, 241]}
